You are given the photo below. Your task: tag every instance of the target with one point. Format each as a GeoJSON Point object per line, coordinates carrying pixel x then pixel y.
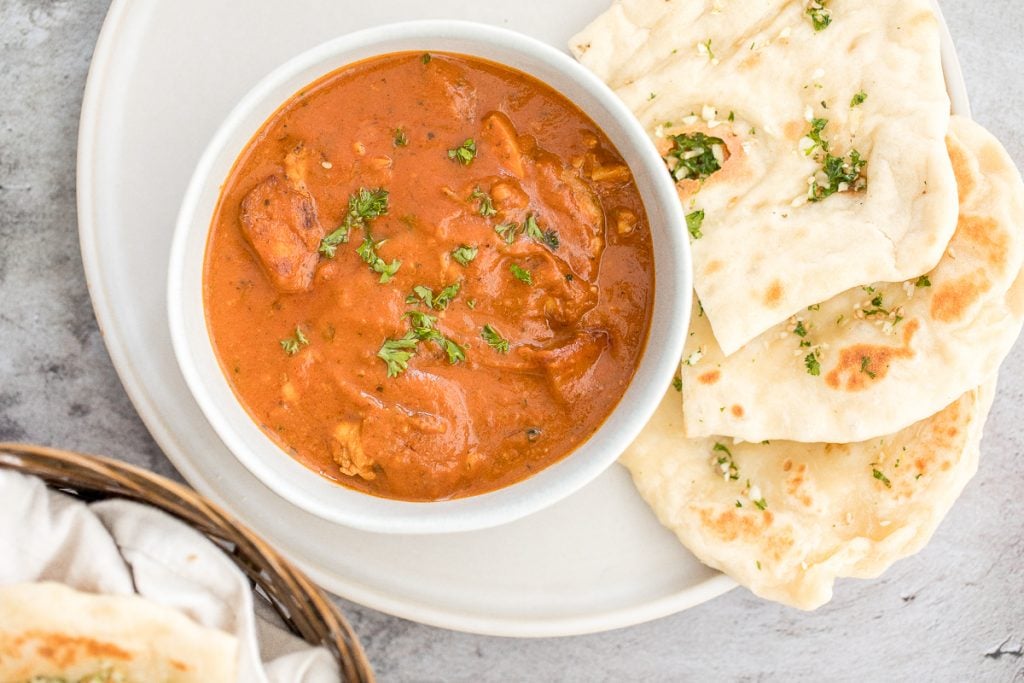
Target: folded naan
{"type": "Point", "coordinates": [807, 139]}
{"type": "Point", "coordinates": [50, 631]}
{"type": "Point", "coordinates": [786, 519]}
{"type": "Point", "coordinates": [880, 357]}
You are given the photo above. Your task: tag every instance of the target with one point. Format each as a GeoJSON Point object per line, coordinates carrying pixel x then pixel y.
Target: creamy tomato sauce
{"type": "Point", "coordinates": [429, 276]}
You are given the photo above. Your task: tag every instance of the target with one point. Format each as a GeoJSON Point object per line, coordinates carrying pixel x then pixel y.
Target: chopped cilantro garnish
{"type": "Point", "coordinates": [438, 302]}
{"type": "Point", "coordinates": [293, 344]}
{"type": "Point", "coordinates": [725, 462]}
{"type": "Point", "coordinates": [464, 254]}
{"type": "Point", "coordinates": [363, 206]}
{"type": "Point", "coordinates": [507, 231]}
{"type": "Point", "coordinates": [814, 307]}
{"type": "Point", "coordinates": [445, 296]}
{"type": "Point", "coordinates": [494, 339]}
{"type": "Point", "coordinates": [694, 221]}
{"type": "Point", "coordinates": [800, 330]}
{"type": "Point", "coordinates": [692, 156]}
{"type": "Point", "coordinates": [486, 208]}
{"type": "Point", "coordinates": [732, 116]}
{"type": "Point", "coordinates": [739, 504]}
{"type": "Point", "coordinates": [812, 364]}
{"type": "Point", "coordinates": [397, 352]}
{"type": "Point", "coordinates": [820, 15]}
{"type": "Point", "coordinates": [923, 281]}
{"type": "Point", "coordinates": [426, 58]}
{"type": "Point", "coordinates": [858, 99]}
{"type": "Point", "coordinates": [546, 237]}
{"type": "Point", "coordinates": [880, 476]}
{"type": "Point", "coordinates": [400, 138]}
{"type": "Point", "coordinates": [368, 252]}
{"type": "Point", "coordinates": [706, 45]}
{"type": "Point", "coordinates": [464, 153]}
{"type": "Point", "coordinates": [521, 274]}
{"type": "Point", "coordinates": [842, 174]}
{"type": "Point", "coordinates": [677, 383]}
{"type": "Point", "coordinates": [761, 503]}
{"type": "Point", "coordinates": [817, 126]}
{"type": "Point", "coordinates": [865, 366]}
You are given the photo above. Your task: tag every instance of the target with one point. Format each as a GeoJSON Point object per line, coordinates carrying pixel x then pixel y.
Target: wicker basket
{"type": "Point", "coordinates": [302, 606]}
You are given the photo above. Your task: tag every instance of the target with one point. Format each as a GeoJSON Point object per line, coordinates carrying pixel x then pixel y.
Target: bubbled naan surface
{"type": "Point", "coordinates": [765, 254]}
{"type": "Point", "coordinates": [890, 354]}
{"type": "Point", "coordinates": [826, 513]}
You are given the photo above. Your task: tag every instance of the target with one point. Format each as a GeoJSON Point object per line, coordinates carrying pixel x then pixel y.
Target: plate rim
{"type": "Point", "coordinates": [130, 378]}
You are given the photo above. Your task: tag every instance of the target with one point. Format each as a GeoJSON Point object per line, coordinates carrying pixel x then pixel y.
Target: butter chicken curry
{"type": "Point", "coordinates": [429, 276]}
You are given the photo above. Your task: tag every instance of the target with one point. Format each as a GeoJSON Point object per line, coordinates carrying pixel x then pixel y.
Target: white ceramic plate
{"type": "Point", "coordinates": [165, 73]}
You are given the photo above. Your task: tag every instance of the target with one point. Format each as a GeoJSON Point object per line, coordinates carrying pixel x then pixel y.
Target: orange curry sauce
{"type": "Point", "coordinates": [536, 222]}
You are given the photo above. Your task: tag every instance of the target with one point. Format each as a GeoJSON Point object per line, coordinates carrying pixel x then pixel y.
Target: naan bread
{"type": "Point", "coordinates": [786, 519]}
{"type": "Point", "coordinates": [687, 66]}
{"type": "Point", "coordinates": [48, 629]}
{"type": "Point", "coordinates": [888, 354]}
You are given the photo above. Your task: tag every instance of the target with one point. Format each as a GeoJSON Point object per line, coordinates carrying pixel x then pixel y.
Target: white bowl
{"type": "Point", "coordinates": [278, 470]}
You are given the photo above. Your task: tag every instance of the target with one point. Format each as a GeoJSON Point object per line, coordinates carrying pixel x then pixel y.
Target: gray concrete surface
{"type": "Point", "coordinates": [953, 612]}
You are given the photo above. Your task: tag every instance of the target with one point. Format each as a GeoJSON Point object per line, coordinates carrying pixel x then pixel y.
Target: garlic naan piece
{"type": "Point", "coordinates": [755, 75]}
{"type": "Point", "coordinates": [786, 519]}
{"type": "Point", "coordinates": [52, 631]}
{"type": "Point", "coordinates": [888, 354]}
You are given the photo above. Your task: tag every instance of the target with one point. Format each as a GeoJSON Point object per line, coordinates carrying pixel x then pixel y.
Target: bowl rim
{"type": "Point", "coordinates": [502, 505]}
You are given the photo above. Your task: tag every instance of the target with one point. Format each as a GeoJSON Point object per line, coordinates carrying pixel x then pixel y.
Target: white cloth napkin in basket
{"type": "Point", "coordinates": [120, 547]}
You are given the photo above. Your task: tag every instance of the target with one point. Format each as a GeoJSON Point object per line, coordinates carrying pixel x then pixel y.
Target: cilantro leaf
{"type": "Point", "coordinates": [363, 206]}
{"type": "Point", "coordinates": [494, 339]}
{"type": "Point", "coordinates": [534, 232]}
{"type": "Point", "coordinates": [880, 476]}
{"type": "Point", "coordinates": [820, 15]}
{"type": "Point", "coordinates": [694, 221]}
{"type": "Point", "coordinates": [521, 274]}
{"type": "Point", "coordinates": [292, 345]}
{"type": "Point", "coordinates": [397, 352]}
{"type": "Point", "coordinates": [464, 153]}
{"type": "Point", "coordinates": [812, 364]}
{"type": "Point", "coordinates": [368, 252]}
{"type": "Point", "coordinates": [486, 208]}
{"type": "Point", "coordinates": [464, 254]}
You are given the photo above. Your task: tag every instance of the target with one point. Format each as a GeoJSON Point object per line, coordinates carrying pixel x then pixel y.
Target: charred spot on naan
{"type": "Point", "coordinates": [65, 650]}
{"type": "Point", "coordinates": [746, 525]}
{"type": "Point", "coordinates": [944, 430]}
{"type": "Point", "coordinates": [963, 168]}
{"type": "Point", "coordinates": [709, 377]}
{"type": "Point", "coordinates": [796, 477]}
{"type": "Point", "coordinates": [864, 363]}
{"type": "Point", "coordinates": [953, 298]}
{"type": "Point", "coordinates": [773, 295]}
{"type": "Point", "coordinates": [985, 234]}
